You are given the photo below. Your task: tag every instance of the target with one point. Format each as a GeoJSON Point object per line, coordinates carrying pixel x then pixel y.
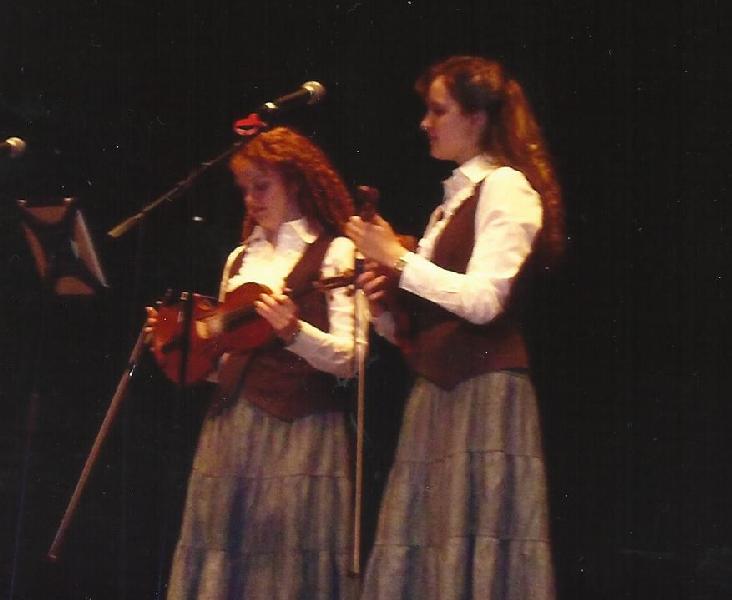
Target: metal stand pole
{"type": "Point", "coordinates": [91, 460]}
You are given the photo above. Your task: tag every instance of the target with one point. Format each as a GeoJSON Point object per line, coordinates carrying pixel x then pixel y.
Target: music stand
{"type": "Point", "coordinates": [62, 248]}
{"type": "Point", "coordinates": [68, 266]}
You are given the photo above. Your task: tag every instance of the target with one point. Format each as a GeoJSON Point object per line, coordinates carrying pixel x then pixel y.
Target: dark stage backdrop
{"type": "Point", "coordinates": [120, 99]}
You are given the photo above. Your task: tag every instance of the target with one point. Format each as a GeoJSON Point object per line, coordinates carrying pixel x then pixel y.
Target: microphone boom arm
{"type": "Point", "coordinates": [310, 92]}
{"type": "Point", "coordinates": [177, 190]}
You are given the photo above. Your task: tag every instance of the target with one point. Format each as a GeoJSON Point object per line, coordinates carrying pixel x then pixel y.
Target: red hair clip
{"type": "Point", "coordinates": [249, 126]}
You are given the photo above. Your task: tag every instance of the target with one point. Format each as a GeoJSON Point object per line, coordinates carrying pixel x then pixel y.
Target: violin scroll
{"type": "Point", "coordinates": [368, 198]}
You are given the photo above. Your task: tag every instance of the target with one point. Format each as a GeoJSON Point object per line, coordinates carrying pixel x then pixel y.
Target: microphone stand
{"type": "Point", "coordinates": [91, 460]}
{"type": "Point", "coordinates": [254, 127]}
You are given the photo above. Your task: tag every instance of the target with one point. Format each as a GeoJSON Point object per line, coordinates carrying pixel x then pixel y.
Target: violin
{"type": "Point", "coordinates": [217, 328]}
{"type": "Point", "coordinates": [233, 325]}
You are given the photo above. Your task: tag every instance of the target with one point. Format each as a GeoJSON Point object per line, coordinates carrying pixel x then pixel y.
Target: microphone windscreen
{"type": "Point", "coordinates": [316, 89]}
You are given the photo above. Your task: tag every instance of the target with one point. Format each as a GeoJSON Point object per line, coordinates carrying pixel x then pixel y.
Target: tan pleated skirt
{"type": "Point", "coordinates": [267, 513]}
{"type": "Point", "coordinates": [464, 513]}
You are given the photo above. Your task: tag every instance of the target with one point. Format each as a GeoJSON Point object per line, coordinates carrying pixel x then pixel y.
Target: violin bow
{"type": "Point", "coordinates": [368, 197]}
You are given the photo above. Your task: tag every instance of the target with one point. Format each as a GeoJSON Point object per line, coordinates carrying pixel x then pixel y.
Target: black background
{"type": "Point", "coordinates": [118, 100]}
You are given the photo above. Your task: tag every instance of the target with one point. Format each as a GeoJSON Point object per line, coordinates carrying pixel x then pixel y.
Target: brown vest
{"type": "Point", "coordinates": [275, 379]}
{"type": "Point", "coordinates": [445, 348]}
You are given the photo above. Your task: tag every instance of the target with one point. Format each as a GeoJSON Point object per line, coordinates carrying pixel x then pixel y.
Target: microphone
{"type": "Point", "coordinates": [310, 92]}
{"type": "Point", "coordinates": [12, 147]}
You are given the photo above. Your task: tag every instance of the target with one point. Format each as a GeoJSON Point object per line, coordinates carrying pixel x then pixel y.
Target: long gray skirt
{"type": "Point", "coordinates": [464, 513]}
{"type": "Point", "coordinates": [267, 509]}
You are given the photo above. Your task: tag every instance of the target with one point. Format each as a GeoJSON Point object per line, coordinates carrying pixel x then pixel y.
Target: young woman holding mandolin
{"type": "Point", "coordinates": [464, 514]}
{"type": "Point", "coordinates": [268, 503]}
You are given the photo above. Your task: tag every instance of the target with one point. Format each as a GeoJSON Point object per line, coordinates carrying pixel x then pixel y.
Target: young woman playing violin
{"type": "Point", "coordinates": [268, 503]}
{"type": "Point", "coordinates": [464, 514]}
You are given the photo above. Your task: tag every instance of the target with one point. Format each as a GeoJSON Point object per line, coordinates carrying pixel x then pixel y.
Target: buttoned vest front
{"type": "Point", "coordinates": [447, 349]}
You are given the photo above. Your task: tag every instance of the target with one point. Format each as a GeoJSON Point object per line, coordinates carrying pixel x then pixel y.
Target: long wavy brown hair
{"type": "Point", "coordinates": [322, 197]}
{"type": "Point", "coordinates": [512, 135]}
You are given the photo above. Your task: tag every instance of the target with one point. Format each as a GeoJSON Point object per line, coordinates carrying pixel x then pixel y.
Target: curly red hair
{"type": "Point", "coordinates": [322, 196]}
{"type": "Point", "coordinates": [512, 135]}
